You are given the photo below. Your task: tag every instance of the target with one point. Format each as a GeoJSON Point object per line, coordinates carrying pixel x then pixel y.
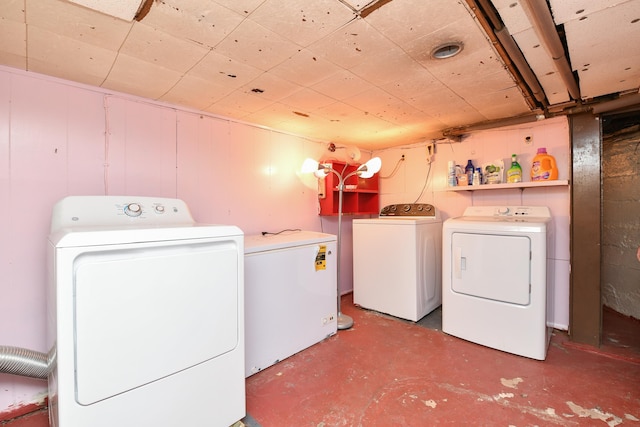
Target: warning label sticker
{"type": "Point", "coordinates": [321, 261]}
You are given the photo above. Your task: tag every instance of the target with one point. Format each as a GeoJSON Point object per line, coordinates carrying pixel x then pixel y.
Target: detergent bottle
{"type": "Point", "coordinates": [544, 166]}
{"type": "Point", "coordinates": [514, 174]}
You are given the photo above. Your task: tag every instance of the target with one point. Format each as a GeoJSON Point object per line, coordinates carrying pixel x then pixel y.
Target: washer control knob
{"type": "Point", "coordinates": [159, 209]}
{"type": "Point", "coordinates": [133, 209]}
{"type": "Point", "coordinates": [406, 208]}
{"type": "Point", "coordinates": [503, 210]}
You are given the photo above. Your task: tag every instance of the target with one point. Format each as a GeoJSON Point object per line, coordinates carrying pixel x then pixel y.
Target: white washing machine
{"type": "Point", "coordinates": [397, 261]}
{"type": "Point", "coordinates": [145, 315]}
{"type": "Point", "coordinates": [495, 281]}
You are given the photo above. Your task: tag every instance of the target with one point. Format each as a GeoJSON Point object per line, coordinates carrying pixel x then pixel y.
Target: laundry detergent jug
{"type": "Point", "coordinates": [544, 166]}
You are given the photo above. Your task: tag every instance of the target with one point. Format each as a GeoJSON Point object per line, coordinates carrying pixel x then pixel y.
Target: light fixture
{"type": "Point", "coordinates": [447, 50]}
{"type": "Point", "coordinates": [320, 170]}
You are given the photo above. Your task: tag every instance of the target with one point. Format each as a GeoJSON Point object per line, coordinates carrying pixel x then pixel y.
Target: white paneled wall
{"type": "Point", "coordinates": [405, 184]}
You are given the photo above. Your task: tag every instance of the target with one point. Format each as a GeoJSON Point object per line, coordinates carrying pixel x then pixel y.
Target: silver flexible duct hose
{"type": "Point", "coordinates": [23, 362]}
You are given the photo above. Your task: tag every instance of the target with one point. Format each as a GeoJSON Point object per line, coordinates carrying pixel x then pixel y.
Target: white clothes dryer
{"type": "Point", "coordinates": [145, 315]}
{"type": "Point", "coordinates": [495, 278]}
{"type": "Point", "coordinates": [397, 261]}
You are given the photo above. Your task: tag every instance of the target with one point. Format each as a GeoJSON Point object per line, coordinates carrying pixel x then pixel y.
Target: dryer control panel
{"type": "Point", "coordinates": [87, 211]}
{"type": "Point", "coordinates": [408, 209]}
{"type": "Point", "coordinates": [509, 211]}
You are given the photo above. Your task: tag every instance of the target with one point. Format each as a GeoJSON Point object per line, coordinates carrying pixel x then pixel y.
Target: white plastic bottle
{"type": "Point", "coordinates": [452, 180]}
{"type": "Point", "coordinates": [477, 180]}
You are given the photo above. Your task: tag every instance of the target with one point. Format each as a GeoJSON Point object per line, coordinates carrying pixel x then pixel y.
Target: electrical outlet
{"type": "Point", "coordinates": [330, 318]}
{"type": "Point", "coordinates": [431, 150]}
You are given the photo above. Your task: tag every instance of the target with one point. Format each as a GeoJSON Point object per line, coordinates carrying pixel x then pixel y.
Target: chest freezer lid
{"type": "Point", "coordinates": [261, 243]}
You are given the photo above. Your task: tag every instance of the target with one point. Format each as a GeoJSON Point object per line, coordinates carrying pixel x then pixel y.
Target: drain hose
{"type": "Point", "coordinates": [23, 362]}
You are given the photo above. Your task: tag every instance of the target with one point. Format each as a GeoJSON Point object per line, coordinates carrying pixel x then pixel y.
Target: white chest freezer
{"type": "Point", "coordinates": [290, 295]}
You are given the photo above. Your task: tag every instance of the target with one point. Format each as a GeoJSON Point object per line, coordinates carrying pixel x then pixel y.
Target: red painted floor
{"type": "Point", "coordinates": [389, 372]}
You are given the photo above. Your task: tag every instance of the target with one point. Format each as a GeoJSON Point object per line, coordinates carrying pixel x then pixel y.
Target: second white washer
{"type": "Point", "coordinates": [397, 261]}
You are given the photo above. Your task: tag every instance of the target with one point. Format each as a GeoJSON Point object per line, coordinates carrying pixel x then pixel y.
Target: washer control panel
{"type": "Point", "coordinates": [408, 209]}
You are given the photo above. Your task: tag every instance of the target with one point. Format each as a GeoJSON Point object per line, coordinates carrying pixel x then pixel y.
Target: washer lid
{"type": "Point", "coordinates": [260, 243]}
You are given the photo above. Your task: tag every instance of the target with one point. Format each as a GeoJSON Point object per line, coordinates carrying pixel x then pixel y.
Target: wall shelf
{"type": "Point", "coordinates": [518, 185]}
{"type": "Point", "coordinates": [360, 195]}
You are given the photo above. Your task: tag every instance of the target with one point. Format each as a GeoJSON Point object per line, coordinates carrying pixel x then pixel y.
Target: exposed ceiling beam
{"type": "Point", "coordinates": [544, 26]}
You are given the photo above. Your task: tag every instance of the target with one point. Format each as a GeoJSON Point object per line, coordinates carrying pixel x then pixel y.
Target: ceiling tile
{"type": "Point", "coordinates": [123, 9]}
{"type": "Point", "coordinates": [542, 65]}
{"type": "Point", "coordinates": [273, 115]}
{"type": "Point", "coordinates": [270, 87]}
{"type": "Point", "coordinates": [404, 21]}
{"type": "Point", "coordinates": [78, 23]}
{"type": "Point", "coordinates": [195, 92]}
{"type": "Point", "coordinates": [569, 10]}
{"type": "Point", "coordinates": [388, 66]}
{"type": "Point", "coordinates": [243, 7]}
{"type": "Point", "coordinates": [342, 84]}
{"type": "Point", "coordinates": [257, 46]}
{"type": "Point", "coordinates": [302, 21]}
{"type": "Point", "coordinates": [341, 112]}
{"type": "Point", "coordinates": [596, 51]}
{"type": "Point", "coordinates": [242, 101]}
{"type": "Point", "coordinates": [463, 30]}
{"type": "Point", "coordinates": [162, 49]}
{"type": "Point", "coordinates": [468, 69]}
{"type": "Point", "coordinates": [13, 10]}
{"type": "Point", "coordinates": [595, 81]}
{"type": "Point", "coordinates": [513, 15]}
{"type": "Point", "coordinates": [221, 70]}
{"type": "Point", "coordinates": [499, 104]}
{"type": "Point", "coordinates": [352, 44]}
{"type": "Point", "coordinates": [304, 68]}
{"type": "Point", "coordinates": [373, 101]}
{"type": "Point", "coordinates": [142, 78]}
{"type": "Point", "coordinates": [368, 80]}
{"type": "Point", "coordinates": [359, 4]}
{"type": "Point", "coordinates": [307, 100]}
{"type": "Point", "coordinates": [418, 81]}
{"type": "Point", "coordinates": [191, 20]}
{"type": "Point", "coordinates": [60, 56]}
{"type": "Point", "coordinates": [13, 44]}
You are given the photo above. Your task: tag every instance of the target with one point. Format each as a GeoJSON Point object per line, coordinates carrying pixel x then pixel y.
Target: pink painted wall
{"type": "Point", "coordinates": [58, 138]}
